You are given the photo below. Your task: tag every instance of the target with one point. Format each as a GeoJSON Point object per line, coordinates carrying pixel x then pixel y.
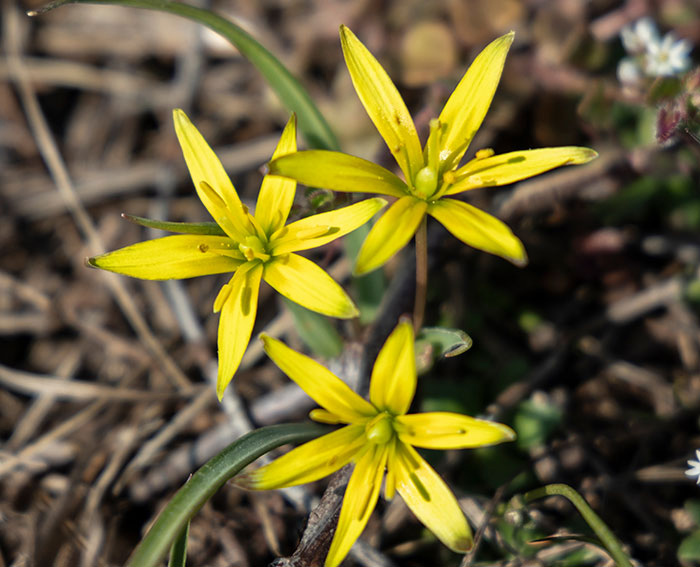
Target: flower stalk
{"type": "Point", "coordinates": [421, 275]}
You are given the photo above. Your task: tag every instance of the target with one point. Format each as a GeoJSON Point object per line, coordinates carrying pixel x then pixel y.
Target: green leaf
{"type": "Point", "coordinates": [689, 549]}
{"type": "Point", "coordinates": [434, 342]}
{"type": "Point", "coordinates": [312, 125]}
{"type": "Point", "coordinates": [599, 527]}
{"type": "Point", "coordinates": [207, 480]}
{"type": "Point", "coordinates": [178, 552]}
{"type": "Point", "coordinates": [317, 332]}
{"type": "Point", "coordinates": [447, 342]}
{"type": "Point", "coordinates": [210, 228]}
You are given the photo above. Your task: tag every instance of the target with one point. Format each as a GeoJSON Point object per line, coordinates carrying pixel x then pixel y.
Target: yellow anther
{"type": "Point", "coordinates": [247, 251]}
{"type": "Point", "coordinates": [485, 153]}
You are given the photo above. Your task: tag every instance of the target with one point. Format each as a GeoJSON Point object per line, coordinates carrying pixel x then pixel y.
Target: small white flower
{"type": "Point", "coordinates": [629, 71]}
{"type": "Point", "coordinates": [694, 469]}
{"type": "Point", "coordinates": [668, 57]}
{"type": "Point", "coordinates": [638, 36]}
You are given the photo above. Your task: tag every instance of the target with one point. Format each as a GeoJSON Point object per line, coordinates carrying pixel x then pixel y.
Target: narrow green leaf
{"type": "Point", "coordinates": [599, 527]}
{"type": "Point", "coordinates": [182, 227]}
{"type": "Point", "coordinates": [178, 552]}
{"type": "Point", "coordinates": [207, 480]}
{"type": "Point", "coordinates": [312, 125]}
{"type": "Point", "coordinates": [315, 330]}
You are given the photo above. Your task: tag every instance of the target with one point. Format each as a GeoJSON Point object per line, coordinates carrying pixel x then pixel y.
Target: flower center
{"type": "Point", "coordinates": [425, 182]}
{"type": "Point", "coordinates": [380, 429]}
{"type": "Point", "coordinates": [252, 247]}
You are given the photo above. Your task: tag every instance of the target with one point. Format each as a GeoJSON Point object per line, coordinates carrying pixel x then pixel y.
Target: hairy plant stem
{"type": "Point", "coordinates": [421, 274]}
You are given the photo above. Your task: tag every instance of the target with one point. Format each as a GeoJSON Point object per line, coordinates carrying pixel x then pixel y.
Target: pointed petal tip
{"type": "Point", "coordinates": [91, 262]}
{"type": "Point", "coordinates": [221, 385]}
{"type": "Point", "coordinates": [508, 433]}
{"type": "Point", "coordinates": [520, 261]}
{"type": "Point", "coordinates": [588, 154]}
{"type": "Point", "coordinates": [266, 340]}
{"type": "Point", "coordinates": [179, 115]}
{"type": "Point", "coordinates": [351, 312]}
{"type": "Point", "coordinates": [362, 270]}
{"type": "Point", "coordinates": [464, 544]}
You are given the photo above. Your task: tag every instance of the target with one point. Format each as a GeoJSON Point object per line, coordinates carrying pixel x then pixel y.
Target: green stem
{"type": "Point", "coordinates": [603, 532]}
{"type": "Point", "coordinates": [207, 480]}
{"type": "Point", "coordinates": [421, 274]}
{"type": "Point", "coordinates": [313, 126]}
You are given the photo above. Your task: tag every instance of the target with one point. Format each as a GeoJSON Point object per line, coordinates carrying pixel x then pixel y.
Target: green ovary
{"type": "Point", "coordinates": [380, 429]}
{"type": "Point", "coordinates": [425, 183]}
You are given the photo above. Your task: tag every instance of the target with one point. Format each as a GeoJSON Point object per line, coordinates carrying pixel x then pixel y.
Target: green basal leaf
{"type": "Point", "coordinates": [605, 535]}
{"type": "Point", "coordinates": [317, 332]}
{"type": "Point", "coordinates": [207, 480]}
{"type": "Point", "coordinates": [293, 95]}
{"type": "Point", "coordinates": [210, 228]}
{"type": "Point", "coordinates": [178, 552]}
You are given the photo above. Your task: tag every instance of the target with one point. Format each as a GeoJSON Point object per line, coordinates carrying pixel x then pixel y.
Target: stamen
{"type": "Point", "coordinates": [221, 298]}
{"type": "Point", "coordinates": [485, 153]}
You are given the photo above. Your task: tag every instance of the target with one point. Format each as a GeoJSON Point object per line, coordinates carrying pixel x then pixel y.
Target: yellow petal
{"type": "Point", "coordinates": [391, 232]}
{"type": "Point", "coordinates": [277, 193]}
{"type": "Point", "coordinates": [313, 460]}
{"type": "Point", "coordinates": [303, 282]}
{"type": "Point", "coordinates": [323, 228]}
{"type": "Point", "coordinates": [429, 498]}
{"type": "Point", "coordinates": [479, 229]}
{"type": "Point", "coordinates": [443, 430]}
{"type": "Point", "coordinates": [171, 257]}
{"type": "Point", "coordinates": [327, 390]}
{"type": "Point", "coordinates": [468, 104]}
{"type": "Point", "coordinates": [339, 172]}
{"type": "Point", "coordinates": [393, 382]}
{"type": "Point", "coordinates": [383, 103]}
{"type": "Point", "coordinates": [358, 503]}
{"type": "Point", "coordinates": [511, 167]}
{"type": "Point", "coordinates": [205, 167]}
{"type": "Point", "coordinates": [237, 320]}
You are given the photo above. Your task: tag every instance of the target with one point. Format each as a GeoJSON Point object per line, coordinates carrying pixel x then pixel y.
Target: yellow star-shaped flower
{"type": "Point", "coordinates": [379, 436]}
{"type": "Point", "coordinates": [431, 175]}
{"type": "Point", "coordinates": [254, 247]}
